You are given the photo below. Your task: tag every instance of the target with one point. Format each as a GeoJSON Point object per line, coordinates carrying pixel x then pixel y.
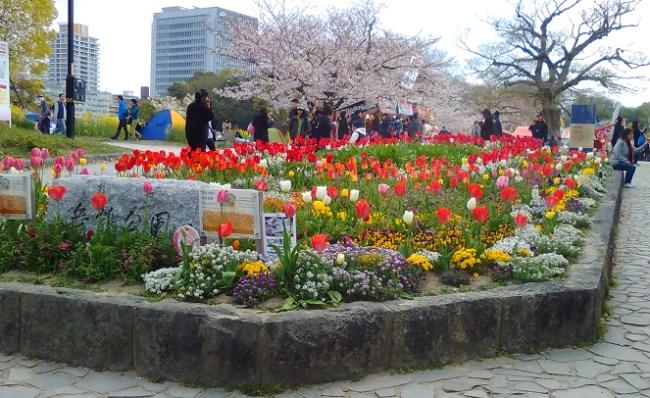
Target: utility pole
{"type": "Point", "coordinates": [69, 81]}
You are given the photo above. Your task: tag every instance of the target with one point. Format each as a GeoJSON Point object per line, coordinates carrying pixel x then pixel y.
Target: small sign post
{"type": "Point", "coordinates": [16, 197]}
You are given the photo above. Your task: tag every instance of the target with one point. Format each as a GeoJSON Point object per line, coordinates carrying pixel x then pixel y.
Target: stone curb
{"type": "Point", "coordinates": [227, 345]}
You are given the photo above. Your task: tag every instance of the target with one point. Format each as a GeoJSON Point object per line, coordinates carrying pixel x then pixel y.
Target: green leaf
{"type": "Point", "coordinates": [335, 296]}
{"type": "Point", "coordinates": [313, 302]}
{"type": "Point", "coordinates": [289, 304]}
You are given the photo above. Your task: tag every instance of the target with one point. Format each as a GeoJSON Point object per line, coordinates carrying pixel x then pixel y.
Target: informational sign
{"type": "Point", "coordinates": [583, 121]}
{"type": "Point", "coordinates": [274, 226]}
{"type": "Point", "coordinates": [242, 207]}
{"type": "Point", "coordinates": [16, 198]}
{"type": "Point", "coordinates": [5, 104]}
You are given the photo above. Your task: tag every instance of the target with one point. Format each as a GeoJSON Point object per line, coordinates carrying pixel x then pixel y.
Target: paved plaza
{"type": "Point", "coordinates": [619, 366]}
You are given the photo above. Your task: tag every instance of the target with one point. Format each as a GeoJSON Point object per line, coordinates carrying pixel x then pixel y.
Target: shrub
{"type": "Point", "coordinates": [539, 268]}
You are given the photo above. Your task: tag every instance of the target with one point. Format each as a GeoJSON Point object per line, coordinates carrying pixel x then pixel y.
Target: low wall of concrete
{"type": "Point", "coordinates": [226, 345]}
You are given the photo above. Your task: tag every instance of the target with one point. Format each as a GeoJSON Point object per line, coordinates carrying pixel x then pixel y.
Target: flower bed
{"type": "Point", "coordinates": [375, 222]}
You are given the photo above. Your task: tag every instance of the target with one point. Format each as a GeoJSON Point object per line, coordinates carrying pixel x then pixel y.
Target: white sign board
{"type": "Point", "coordinates": [16, 197]}
{"type": "Point", "coordinates": [5, 104]}
{"type": "Point", "coordinates": [274, 227]}
{"type": "Point", "coordinates": [243, 208]}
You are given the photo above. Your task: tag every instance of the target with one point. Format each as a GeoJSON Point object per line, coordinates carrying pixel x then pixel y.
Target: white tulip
{"type": "Point", "coordinates": [558, 167]}
{"type": "Point", "coordinates": [306, 197]}
{"type": "Point", "coordinates": [408, 217]}
{"type": "Point", "coordinates": [471, 204]}
{"type": "Point", "coordinates": [580, 149]}
{"type": "Point", "coordinates": [263, 163]}
{"type": "Point", "coordinates": [519, 178]}
{"type": "Point", "coordinates": [340, 258]}
{"type": "Point", "coordinates": [327, 200]}
{"type": "Point", "coordinates": [597, 161]}
{"type": "Point", "coordinates": [285, 186]}
{"type": "Point", "coordinates": [354, 195]}
{"type": "Point", "coordinates": [321, 192]}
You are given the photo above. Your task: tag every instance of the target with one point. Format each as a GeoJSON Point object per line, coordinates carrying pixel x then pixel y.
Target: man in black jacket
{"type": "Point", "coordinates": [620, 126]}
{"type": "Point", "coordinates": [197, 121]}
{"type": "Point", "coordinates": [498, 128]}
{"type": "Point", "coordinates": [539, 128]}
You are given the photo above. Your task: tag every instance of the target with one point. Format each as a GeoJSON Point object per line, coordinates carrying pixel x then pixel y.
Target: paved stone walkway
{"type": "Point", "coordinates": [617, 367]}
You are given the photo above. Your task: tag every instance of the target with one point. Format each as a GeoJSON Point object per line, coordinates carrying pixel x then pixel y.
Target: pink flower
{"type": "Point", "coordinates": [36, 153]}
{"type": "Point", "coordinates": [36, 162]}
{"type": "Point", "coordinates": [383, 189]}
{"type": "Point", "coordinates": [19, 164]}
{"type": "Point", "coordinates": [80, 153]}
{"type": "Point", "coordinates": [59, 160]}
{"type": "Point", "coordinates": [502, 182]}
{"type": "Point", "coordinates": [84, 171]}
{"type": "Point", "coordinates": [289, 210]}
{"type": "Point", "coordinates": [45, 153]}
{"type": "Point", "coordinates": [8, 162]}
{"type": "Point", "coordinates": [222, 196]}
{"type": "Point", "coordinates": [58, 168]}
{"type": "Point", "coordinates": [69, 164]}
{"type": "Point", "coordinates": [147, 187]}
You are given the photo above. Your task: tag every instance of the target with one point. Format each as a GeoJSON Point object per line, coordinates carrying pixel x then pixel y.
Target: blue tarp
{"type": "Point", "coordinates": [156, 128]}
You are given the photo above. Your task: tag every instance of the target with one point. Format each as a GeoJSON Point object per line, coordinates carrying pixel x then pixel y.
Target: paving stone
{"type": "Point", "coordinates": [221, 393]}
{"type": "Point", "coordinates": [132, 392]}
{"type": "Point", "coordinates": [19, 374]}
{"type": "Point", "coordinates": [556, 368]}
{"type": "Point", "coordinates": [68, 390]}
{"type": "Point", "coordinates": [531, 366]}
{"type": "Point", "coordinates": [620, 387]}
{"type": "Point", "coordinates": [529, 387]}
{"type": "Point", "coordinates": [28, 363]}
{"type": "Point", "coordinates": [437, 374]}
{"type": "Point", "coordinates": [377, 382]}
{"type": "Point", "coordinates": [477, 394]}
{"type": "Point", "coordinates": [617, 352]}
{"type": "Point", "coordinates": [606, 361]}
{"type": "Point", "coordinates": [566, 355]}
{"type": "Point", "coordinates": [352, 394]}
{"type": "Point", "coordinates": [589, 369]}
{"type": "Point", "coordinates": [178, 391]}
{"type": "Point", "coordinates": [583, 392]}
{"type": "Point", "coordinates": [416, 390]}
{"type": "Point", "coordinates": [51, 381]}
{"type": "Point", "coordinates": [624, 367]}
{"type": "Point", "coordinates": [636, 381]}
{"type": "Point", "coordinates": [332, 391]}
{"type": "Point", "coordinates": [641, 346]}
{"type": "Point", "coordinates": [463, 384]}
{"type": "Point", "coordinates": [45, 367]}
{"type": "Point", "coordinates": [499, 381]}
{"type": "Point", "coordinates": [18, 392]}
{"type": "Point", "coordinates": [76, 372]}
{"type": "Point", "coordinates": [386, 392]}
{"type": "Point", "coordinates": [636, 337]}
{"type": "Point", "coordinates": [615, 335]}
{"type": "Point", "coordinates": [105, 382]}
{"type": "Point", "coordinates": [480, 374]}
{"type": "Point", "coordinates": [549, 384]}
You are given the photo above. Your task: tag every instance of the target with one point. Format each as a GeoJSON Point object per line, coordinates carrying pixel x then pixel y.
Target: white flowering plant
{"type": "Point", "coordinates": [160, 281]}
{"type": "Point", "coordinates": [538, 268]}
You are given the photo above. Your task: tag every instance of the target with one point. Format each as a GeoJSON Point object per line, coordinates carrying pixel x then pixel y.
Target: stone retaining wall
{"type": "Point", "coordinates": [226, 345]}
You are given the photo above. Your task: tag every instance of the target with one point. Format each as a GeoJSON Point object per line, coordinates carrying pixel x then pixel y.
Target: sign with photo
{"type": "Point", "coordinates": [5, 104]}
{"type": "Point", "coordinates": [16, 197]}
{"type": "Point", "coordinates": [242, 207]}
{"type": "Point", "coordinates": [274, 227]}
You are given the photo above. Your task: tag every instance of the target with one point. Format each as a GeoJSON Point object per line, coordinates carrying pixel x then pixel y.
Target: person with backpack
{"type": "Point", "coordinates": [197, 121]}
{"type": "Point", "coordinates": [45, 114]}
{"type": "Point", "coordinates": [261, 124]}
{"type": "Point", "coordinates": [134, 118]}
{"type": "Point", "coordinates": [639, 140]}
{"type": "Point", "coordinates": [122, 116]}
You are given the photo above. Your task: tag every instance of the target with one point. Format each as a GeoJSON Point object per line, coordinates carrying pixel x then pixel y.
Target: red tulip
{"type": "Point", "coordinates": [551, 201]}
{"type": "Point", "coordinates": [36, 152]}
{"type": "Point", "coordinates": [261, 185]}
{"type": "Point", "coordinates": [570, 183]}
{"type": "Point", "coordinates": [509, 193]}
{"type": "Point", "coordinates": [363, 209]}
{"type": "Point", "coordinates": [289, 210]}
{"type": "Point", "coordinates": [147, 187]}
{"type": "Point", "coordinates": [475, 191]}
{"type": "Point", "coordinates": [36, 162]}
{"type": "Point", "coordinates": [98, 200]}
{"type": "Point", "coordinates": [225, 229]}
{"type": "Point", "coordinates": [56, 192]}
{"type": "Point", "coordinates": [435, 186]}
{"type": "Point", "coordinates": [481, 214]}
{"type": "Point", "coordinates": [443, 215]}
{"type": "Point", "coordinates": [559, 194]}
{"type": "Point", "coordinates": [521, 220]}
{"type": "Point", "coordinates": [400, 188]}
{"type": "Point", "coordinates": [319, 242]}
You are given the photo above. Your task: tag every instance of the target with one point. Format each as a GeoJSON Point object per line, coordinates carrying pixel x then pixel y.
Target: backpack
{"type": "Point", "coordinates": [642, 140]}
{"type": "Point", "coordinates": [251, 129]}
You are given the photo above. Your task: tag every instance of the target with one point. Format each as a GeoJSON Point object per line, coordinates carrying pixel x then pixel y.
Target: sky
{"type": "Point", "coordinates": [123, 28]}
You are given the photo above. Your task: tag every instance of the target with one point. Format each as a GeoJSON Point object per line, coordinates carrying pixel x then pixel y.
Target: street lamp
{"type": "Point", "coordinates": [69, 81]}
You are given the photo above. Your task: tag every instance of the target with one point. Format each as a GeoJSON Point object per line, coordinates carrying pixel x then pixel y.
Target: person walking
{"type": "Point", "coordinates": [487, 127]}
{"type": "Point", "coordinates": [639, 140]}
{"type": "Point", "coordinates": [262, 123]}
{"type": "Point", "coordinates": [299, 123]}
{"type": "Point", "coordinates": [227, 131]}
{"type": "Point", "coordinates": [343, 128]}
{"type": "Point", "coordinates": [60, 113]}
{"type": "Point", "coordinates": [45, 114]}
{"type": "Point", "coordinates": [539, 128]}
{"type": "Point", "coordinates": [618, 129]}
{"type": "Point", "coordinates": [122, 116]}
{"type": "Point", "coordinates": [197, 119]}
{"type": "Point", "coordinates": [324, 128]}
{"type": "Point", "coordinates": [498, 128]}
{"type": "Point", "coordinates": [622, 156]}
{"type": "Point", "coordinates": [386, 126]}
{"type": "Point", "coordinates": [134, 118]}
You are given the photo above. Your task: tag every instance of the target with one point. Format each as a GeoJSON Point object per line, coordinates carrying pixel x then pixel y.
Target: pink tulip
{"type": "Point", "coordinates": [69, 164]}
{"type": "Point", "coordinates": [289, 210]}
{"type": "Point", "coordinates": [57, 168]}
{"type": "Point", "coordinates": [8, 162]}
{"type": "Point", "coordinates": [502, 182]}
{"type": "Point", "coordinates": [80, 153]}
{"type": "Point", "coordinates": [84, 171]}
{"type": "Point", "coordinates": [45, 153]}
{"type": "Point", "coordinates": [20, 164]}
{"type": "Point", "coordinates": [383, 189]}
{"type": "Point", "coordinates": [147, 187]}
{"type": "Point", "coordinates": [36, 152]}
{"type": "Point", "coordinates": [36, 162]}
{"type": "Point", "coordinates": [222, 196]}
{"type": "Point", "coordinates": [59, 160]}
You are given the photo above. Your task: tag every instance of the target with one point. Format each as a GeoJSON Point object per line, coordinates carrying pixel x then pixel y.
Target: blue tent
{"type": "Point", "coordinates": [157, 126]}
{"type": "Point", "coordinates": [32, 116]}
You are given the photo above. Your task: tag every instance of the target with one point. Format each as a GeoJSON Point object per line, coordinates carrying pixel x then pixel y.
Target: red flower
{"type": "Point", "coordinates": [225, 229]}
{"type": "Point", "coordinates": [435, 186]}
{"type": "Point", "coordinates": [559, 194]}
{"type": "Point", "coordinates": [475, 191]}
{"type": "Point", "coordinates": [443, 215]}
{"type": "Point", "coordinates": [551, 201]}
{"type": "Point", "coordinates": [400, 188]}
{"type": "Point", "coordinates": [570, 183]}
{"type": "Point", "coordinates": [90, 234]}
{"type": "Point", "coordinates": [363, 209]}
{"type": "Point", "coordinates": [261, 185]}
{"type": "Point", "coordinates": [521, 220]}
{"type": "Point", "coordinates": [289, 210]}
{"type": "Point", "coordinates": [56, 192]}
{"type": "Point", "coordinates": [508, 194]}
{"type": "Point", "coordinates": [98, 200]}
{"type": "Point", "coordinates": [481, 214]}
{"type": "Point", "coordinates": [319, 242]}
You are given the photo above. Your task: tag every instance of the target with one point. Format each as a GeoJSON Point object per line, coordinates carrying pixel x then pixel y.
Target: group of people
{"type": "Point", "coordinates": [628, 145]}
{"type": "Point", "coordinates": [489, 126]}
{"type": "Point", "coordinates": [49, 114]}
{"type": "Point", "coordinates": [128, 115]}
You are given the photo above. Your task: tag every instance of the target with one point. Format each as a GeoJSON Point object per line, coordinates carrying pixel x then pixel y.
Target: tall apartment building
{"type": "Point", "coordinates": [185, 41]}
{"type": "Point", "coordinates": [86, 66]}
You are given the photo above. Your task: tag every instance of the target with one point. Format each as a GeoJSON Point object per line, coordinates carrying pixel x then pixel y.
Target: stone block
{"type": "Point", "coordinates": [196, 343]}
{"type": "Point", "coordinates": [78, 328]}
{"type": "Point", "coordinates": [9, 321]}
{"type": "Point", "coordinates": [318, 346]}
{"type": "Point", "coordinates": [474, 324]}
{"type": "Point", "coordinates": [173, 203]}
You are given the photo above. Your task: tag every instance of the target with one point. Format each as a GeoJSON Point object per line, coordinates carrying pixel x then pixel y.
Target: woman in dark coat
{"type": "Point", "coordinates": [324, 128]}
{"type": "Point", "coordinates": [487, 128]}
{"type": "Point", "coordinates": [197, 121]}
{"type": "Point", "coordinates": [262, 122]}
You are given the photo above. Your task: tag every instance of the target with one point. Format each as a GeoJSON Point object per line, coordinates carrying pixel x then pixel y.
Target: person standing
{"type": "Point", "coordinates": [227, 131]}
{"type": "Point", "coordinates": [343, 126]}
{"type": "Point", "coordinates": [487, 127]}
{"type": "Point", "coordinates": [539, 128]}
{"type": "Point", "coordinates": [122, 115]}
{"type": "Point", "coordinates": [498, 128]}
{"type": "Point", "coordinates": [134, 118]}
{"type": "Point", "coordinates": [45, 113]}
{"type": "Point", "coordinates": [324, 128]}
{"type": "Point", "coordinates": [262, 123]}
{"type": "Point", "coordinates": [618, 129]}
{"type": "Point", "coordinates": [414, 127]}
{"type": "Point", "coordinates": [622, 156]}
{"type": "Point", "coordinates": [60, 113]}
{"type": "Point", "coordinates": [299, 123]}
{"type": "Point", "coordinates": [197, 120]}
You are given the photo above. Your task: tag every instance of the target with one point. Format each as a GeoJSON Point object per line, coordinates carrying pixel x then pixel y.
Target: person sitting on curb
{"type": "Point", "coordinates": [622, 155]}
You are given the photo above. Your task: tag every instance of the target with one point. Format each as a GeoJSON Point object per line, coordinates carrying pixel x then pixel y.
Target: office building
{"type": "Point", "coordinates": [144, 92]}
{"type": "Point", "coordinates": [185, 41]}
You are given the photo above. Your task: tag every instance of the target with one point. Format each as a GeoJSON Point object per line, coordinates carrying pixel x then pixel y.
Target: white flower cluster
{"type": "Point", "coordinates": [312, 281]}
{"type": "Point", "coordinates": [537, 204]}
{"type": "Point", "coordinates": [432, 256]}
{"type": "Point", "coordinates": [546, 244]}
{"type": "Point", "coordinates": [576, 219]}
{"type": "Point", "coordinates": [213, 258]}
{"type": "Point", "coordinates": [512, 245]}
{"type": "Point", "coordinates": [160, 281]}
{"type": "Point", "coordinates": [528, 234]}
{"type": "Point", "coordinates": [539, 268]}
{"type": "Point", "coordinates": [197, 286]}
{"type": "Point", "coordinates": [568, 234]}
{"type": "Point", "coordinates": [587, 202]}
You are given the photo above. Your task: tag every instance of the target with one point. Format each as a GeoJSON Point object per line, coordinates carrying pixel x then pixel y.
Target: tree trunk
{"type": "Point", "coordinates": [552, 117]}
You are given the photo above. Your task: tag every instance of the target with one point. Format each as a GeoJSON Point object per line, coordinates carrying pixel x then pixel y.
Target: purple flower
{"type": "Point", "coordinates": [254, 289]}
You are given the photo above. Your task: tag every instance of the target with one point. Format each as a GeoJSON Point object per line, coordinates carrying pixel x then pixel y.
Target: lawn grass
{"type": "Point", "coordinates": [19, 142]}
